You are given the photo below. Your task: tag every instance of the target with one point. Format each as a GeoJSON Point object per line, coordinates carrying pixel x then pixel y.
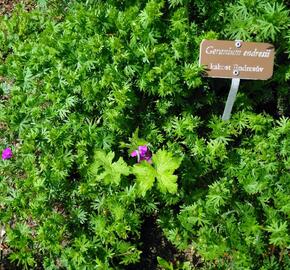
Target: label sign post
{"type": "Point", "coordinates": [236, 60]}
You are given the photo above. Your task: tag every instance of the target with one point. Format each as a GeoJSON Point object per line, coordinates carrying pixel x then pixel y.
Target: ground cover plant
{"type": "Point", "coordinates": [114, 155]}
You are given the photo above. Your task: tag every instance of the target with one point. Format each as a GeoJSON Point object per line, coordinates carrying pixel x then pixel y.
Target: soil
{"type": "Point", "coordinates": [154, 244]}
{"type": "Point", "coordinates": [6, 265]}
{"type": "Point", "coordinates": [7, 6]}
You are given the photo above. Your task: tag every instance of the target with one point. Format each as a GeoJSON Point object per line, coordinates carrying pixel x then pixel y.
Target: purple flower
{"type": "Point", "coordinates": [7, 153]}
{"type": "Point", "coordinates": [143, 153]}
{"type": "Point", "coordinates": [143, 150]}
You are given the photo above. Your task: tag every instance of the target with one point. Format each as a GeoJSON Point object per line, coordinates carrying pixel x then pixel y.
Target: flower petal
{"type": "Point", "coordinates": [142, 150]}
{"type": "Point", "coordinates": [134, 153]}
{"type": "Point", "coordinates": [7, 153]}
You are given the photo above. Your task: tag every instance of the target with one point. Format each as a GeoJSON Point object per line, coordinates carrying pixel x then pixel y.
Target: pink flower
{"type": "Point", "coordinates": [7, 153]}
{"type": "Point", "coordinates": [143, 153]}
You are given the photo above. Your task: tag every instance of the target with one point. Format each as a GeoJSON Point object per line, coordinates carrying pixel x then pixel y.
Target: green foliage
{"type": "Point", "coordinates": [103, 169]}
{"type": "Point", "coordinates": [82, 82]}
{"type": "Point", "coordinates": [258, 19]}
{"type": "Point", "coordinates": [164, 166]}
{"type": "Point", "coordinates": [145, 176]}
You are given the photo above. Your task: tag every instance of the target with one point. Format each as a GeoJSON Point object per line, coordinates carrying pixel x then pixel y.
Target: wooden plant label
{"type": "Point", "coordinates": [237, 59]}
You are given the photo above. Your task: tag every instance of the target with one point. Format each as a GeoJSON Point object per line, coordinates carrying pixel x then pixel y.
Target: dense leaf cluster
{"type": "Point", "coordinates": [84, 84]}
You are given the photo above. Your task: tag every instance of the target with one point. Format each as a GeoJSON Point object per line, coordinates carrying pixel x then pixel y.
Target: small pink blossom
{"type": "Point", "coordinates": [7, 153]}
{"type": "Point", "coordinates": [143, 153]}
{"type": "Point", "coordinates": [134, 153]}
{"type": "Point", "coordinates": [143, 150]}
